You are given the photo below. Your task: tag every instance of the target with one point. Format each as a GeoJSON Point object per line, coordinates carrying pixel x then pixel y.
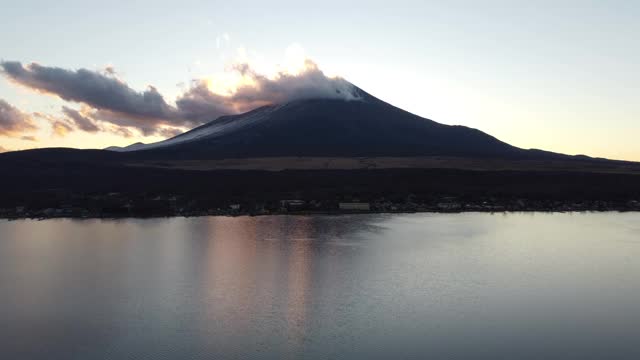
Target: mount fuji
{"type": "Point", "coordinates": [364, 127]}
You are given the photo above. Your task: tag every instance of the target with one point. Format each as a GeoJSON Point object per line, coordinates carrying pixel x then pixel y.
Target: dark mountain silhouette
{"type": "Point", "coordinates": [276, 152]}
{"type": "Point", "coordinates": [329, 127]}
{"type": "Point", "coordinates": [367, 127]}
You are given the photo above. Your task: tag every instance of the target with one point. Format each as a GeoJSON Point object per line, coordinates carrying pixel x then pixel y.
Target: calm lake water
{"type": "Point", "coordinates": [438, 286]}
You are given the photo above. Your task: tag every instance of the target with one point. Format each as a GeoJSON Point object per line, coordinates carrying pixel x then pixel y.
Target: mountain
{"type": "Point", "coordinates": [366, 132]}
{"type": "Point", "coordinates": [132, 147]}
{"type": "Point", "coordinates": [324, 151]}
{"type": "Point", "coordinates": [367, 127]}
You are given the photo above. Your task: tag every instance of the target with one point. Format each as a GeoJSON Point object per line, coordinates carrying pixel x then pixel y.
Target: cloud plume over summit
{"type": "Point", "coordinates": [108, 99]}
{"type": "Point", "coordinates": [254, 90]}
{"type": "Point", "coordinates": [309, 83]}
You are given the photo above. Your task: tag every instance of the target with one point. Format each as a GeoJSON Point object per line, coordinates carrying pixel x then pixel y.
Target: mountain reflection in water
{"type": "Point", "coordinates": [464, 286]}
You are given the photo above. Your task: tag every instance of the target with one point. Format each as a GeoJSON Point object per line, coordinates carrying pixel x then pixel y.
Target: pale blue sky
{"type": "Point", "coordinates": [557, 75]}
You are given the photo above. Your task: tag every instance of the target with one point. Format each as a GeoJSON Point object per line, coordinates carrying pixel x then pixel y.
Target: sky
{"type": "Point", "coordinates": [561, 76]}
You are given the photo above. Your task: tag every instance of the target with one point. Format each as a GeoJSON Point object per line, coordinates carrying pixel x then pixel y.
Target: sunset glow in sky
{"type": "Point", "coordinates": [562, 76]}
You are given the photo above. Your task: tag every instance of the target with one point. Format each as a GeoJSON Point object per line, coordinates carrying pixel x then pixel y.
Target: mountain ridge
{"type": "Point", "coordinates": [318, 150]}
{"type": "Point", "coordinates": [330, 127]}
{"type": "Point", "coordinates": [361, 127]}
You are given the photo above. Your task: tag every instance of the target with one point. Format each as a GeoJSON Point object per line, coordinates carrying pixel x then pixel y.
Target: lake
{"type": "Point", "coordinates": [409, 286]}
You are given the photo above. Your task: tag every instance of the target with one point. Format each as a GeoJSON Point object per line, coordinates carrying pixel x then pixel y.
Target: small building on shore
{"type": "Point", "coordinates": [292, 205]}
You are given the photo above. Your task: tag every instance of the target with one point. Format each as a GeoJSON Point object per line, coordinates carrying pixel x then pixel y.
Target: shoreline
{"type": "Point", "coordinates": [322, 213]}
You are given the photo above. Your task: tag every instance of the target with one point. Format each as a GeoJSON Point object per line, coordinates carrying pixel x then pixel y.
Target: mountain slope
{"type": "Point", "coordinates": [311, 149]}
{"type": "Point", "coordinates": [324, 127]}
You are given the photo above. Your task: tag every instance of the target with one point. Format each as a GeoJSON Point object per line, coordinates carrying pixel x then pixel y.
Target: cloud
{"type": "Point", "coordinates": [201, 103]}
{"type": "Point", "coordinates": [170, 132]}
{"type": "Point", "coordinates": [123, 131]}
{"type": "Point", "coordinates": [14, 122]}
{"type": "Point", "coordinates": [222, 40]}
{"type": "Point", "coordinates": [3, 149]}
{"type": "Point", "coordinates": [110, 70]}
{"type": "Point", "coordinates": [28, 138]}
{"type": "Point", "coordinates": [101, 91]}
{"type": "Point", "coordinates": [82, 121]}
{"type": "Point", "coordinates": [108, 100]}
{"type": "Point", "coordinates": [309, 83]}
{"type": "Point", "coordinates": [61, 128]}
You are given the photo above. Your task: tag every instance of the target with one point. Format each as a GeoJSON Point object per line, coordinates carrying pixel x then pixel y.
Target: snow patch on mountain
{"type": "Point", "coordinates": [221, 126]}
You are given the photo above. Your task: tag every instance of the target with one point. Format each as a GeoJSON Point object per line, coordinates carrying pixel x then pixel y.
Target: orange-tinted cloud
{"type": "Point", "coordinates": [14, 122]}
{"type": "Point", "coordinates": [61, 128]}
{"type": "Point", "coordinates": [108, 100]}
{"type": "Point", "coordinates": [203, 104]}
